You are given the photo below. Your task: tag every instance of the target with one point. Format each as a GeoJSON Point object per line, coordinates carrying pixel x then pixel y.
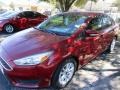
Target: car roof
{"type": "Point", "coordinates": [84, 13]}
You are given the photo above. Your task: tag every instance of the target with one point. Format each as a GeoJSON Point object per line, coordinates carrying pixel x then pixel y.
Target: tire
{"type": "Point", "coordinates": [111, 46]}
{"type": "Point", "coordinates": [8, 28]}
{"type": "Point", "coordinates": [64, 73]}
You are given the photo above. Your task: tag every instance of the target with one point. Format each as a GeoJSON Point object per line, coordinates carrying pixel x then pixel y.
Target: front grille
{"type": "Point", "coordinates": [5, 65]}
{"type": "Point", "coordinates": [28, 82]}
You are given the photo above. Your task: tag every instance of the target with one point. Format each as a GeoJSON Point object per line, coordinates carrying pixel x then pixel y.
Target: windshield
{"type": "Point", "coordinates": [8, 14]}
{"type": "Point", "coordinates": [62, 24]}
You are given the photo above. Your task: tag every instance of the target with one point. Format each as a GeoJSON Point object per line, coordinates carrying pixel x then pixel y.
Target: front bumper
{"type": "Point", "coordinates": [30, 77]}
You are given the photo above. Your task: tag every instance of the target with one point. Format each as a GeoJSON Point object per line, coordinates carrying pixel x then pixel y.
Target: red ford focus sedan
{"type": "Point", "coordinates": [12, 21]}
{"type": "Point", "coordinates": [50, 53]}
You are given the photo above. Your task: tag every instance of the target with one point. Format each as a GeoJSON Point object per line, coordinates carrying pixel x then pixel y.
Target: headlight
{"type": "Point", "coordinates": [34, 59]}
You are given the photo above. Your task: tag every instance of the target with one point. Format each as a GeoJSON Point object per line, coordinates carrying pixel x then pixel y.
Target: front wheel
{"type": "Point", "coordinates": [112, 46]}
{"type": "Point", "coordinates": [64, 73]}
{"type": "Point", "coordinates": [8, 28]}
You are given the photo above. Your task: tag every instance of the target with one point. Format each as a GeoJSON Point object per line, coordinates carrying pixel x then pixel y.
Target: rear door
{"type": "Point", "coordinates": [101, 28]}
{"type": "Point", "coordinates": [108, 29]}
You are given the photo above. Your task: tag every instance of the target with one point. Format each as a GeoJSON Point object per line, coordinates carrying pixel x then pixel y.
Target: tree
{"type": "Point", "coordinates": [117, 3]}
{"type": "Point", "coordinates": [12, 6]}
{"type": "Point", "coordinates": [80, 3]}
{"type": "Point", "coordinates": [1, 4]}
{"type": "Point", "coordinates": [91, 3]}
{"type": "Point", "coordinates": [65, 5]}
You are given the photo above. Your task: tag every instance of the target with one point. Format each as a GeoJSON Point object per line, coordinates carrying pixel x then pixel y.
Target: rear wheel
{"type": "Point", "coordinates": [8, 28]}
{"type": "Point", "coordinates": [111, 46]}
{"type": "Point", "coordinates": [64, 73]}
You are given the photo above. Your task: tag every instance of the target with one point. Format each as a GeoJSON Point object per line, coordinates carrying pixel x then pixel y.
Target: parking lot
{"type": "Point", "coordinates": [98, 75]}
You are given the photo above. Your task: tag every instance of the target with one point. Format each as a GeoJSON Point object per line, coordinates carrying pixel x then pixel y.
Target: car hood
{"type": "Point", "coordinates": [3, 18]}
{"type": "Point", "coordinates": [29, 42]}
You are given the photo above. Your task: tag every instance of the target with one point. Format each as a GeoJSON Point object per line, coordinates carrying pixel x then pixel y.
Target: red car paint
{"type": "Point", "coordinates": [34, 41]}
{"type": "Point", "coordinates": [21, 20]}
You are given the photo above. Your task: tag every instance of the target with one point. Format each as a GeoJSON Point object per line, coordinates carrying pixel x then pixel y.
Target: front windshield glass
{"type": "Point", "coordinates": [62, 24]}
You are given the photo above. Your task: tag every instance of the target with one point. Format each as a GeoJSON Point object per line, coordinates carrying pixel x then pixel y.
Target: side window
{"type": "Point", "coordinates": [106, 21]}
{"type": "Point", "coordinates": [95, 24]}
{"type": "Point", "coordinates": [21, 15]}
{"type": "Point", "coordinates": [36, 14]}
{"type": "Point", "coordinates": [29, 14]}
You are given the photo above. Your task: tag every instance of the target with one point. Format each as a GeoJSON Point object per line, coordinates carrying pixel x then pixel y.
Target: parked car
{"type": "Point", "coordinates": [2, 11]}
{"type": "Point", "coordinates": [6, 13]}
{"type": "Point", "coordinates": [50, 53]}
{"type": "Point", "coordinates": [12, 21]}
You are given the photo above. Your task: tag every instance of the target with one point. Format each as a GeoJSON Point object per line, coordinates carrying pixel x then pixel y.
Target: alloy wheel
{"type": "Point", "coordinates": [66, 73]}
{"type": "Point", "coordinates": [9, 28]}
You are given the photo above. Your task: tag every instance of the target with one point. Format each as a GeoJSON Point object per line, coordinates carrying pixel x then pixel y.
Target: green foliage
{"type": "Point", "coordinates": [80, 3]}
{"type": "Point", "coordinates": [64, 5]}
{"type": "Point", "coordinates": [94, 0]}
{"type": "Point", "coordinates": [12, 5]}
{"type": "Point", "coordinates": [117, 3]}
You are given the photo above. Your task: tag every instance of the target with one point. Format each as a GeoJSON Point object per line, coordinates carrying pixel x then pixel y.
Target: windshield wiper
{"type": "Point", "coordinates": [51, 32]}
{"type": "Point", "coordinates": [45, 30]}
{"type": "Point", "coordinates": [40, 29]}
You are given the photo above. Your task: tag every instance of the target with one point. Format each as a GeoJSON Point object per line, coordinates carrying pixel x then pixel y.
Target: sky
{"type": "Point", "coordinates": [109, 1]}
{"type": "Point", "coordinates": [7, 2]}
{"type": "Point", "coordinates": [20, 1]}
{"type": "Point", "coordinates": [34, 1]}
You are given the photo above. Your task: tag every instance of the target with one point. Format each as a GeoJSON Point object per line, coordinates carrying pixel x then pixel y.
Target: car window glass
{"type": "Point", "coordinates": [27, 14]}
{"type": "Point", "coordinates": [95, 24]}
{"type": "Point", "coordinates": [62, 21]}
{"type": "Point", "coordinates": [21, 15]}
{"type": "Point", "coordinates": [63, 24]}
{"type": "Point", "coordinates": [36, 14]}
{"type": "Point", "coordinates": [106, 21]}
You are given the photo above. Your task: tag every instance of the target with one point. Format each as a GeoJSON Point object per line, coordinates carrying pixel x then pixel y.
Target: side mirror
{"type": "Point", "coordinates": [18, 17]}
{"type": "Point", "coordinates": [82, 35]}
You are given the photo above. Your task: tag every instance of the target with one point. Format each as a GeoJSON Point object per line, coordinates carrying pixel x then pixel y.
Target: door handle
{"type": "Point", "coordinates": [101, 35]}
{"type": "Point", "coordinates": [93, 35]}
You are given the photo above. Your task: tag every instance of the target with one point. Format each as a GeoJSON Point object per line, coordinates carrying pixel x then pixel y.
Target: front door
{"type": "Point", "coordinates": [84, 49]}
{"type": "Point", "coordinates": [93, 43]}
